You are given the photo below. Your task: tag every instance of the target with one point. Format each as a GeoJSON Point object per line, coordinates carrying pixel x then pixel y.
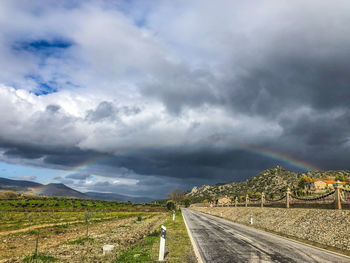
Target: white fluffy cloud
{"type": "Point", "coordinates": [139, 81]}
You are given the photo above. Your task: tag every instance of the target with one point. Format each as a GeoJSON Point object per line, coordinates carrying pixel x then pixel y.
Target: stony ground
{"type": "Point", "coordinates": [329, 228]}
{"type": "Point", "coordinates": [122, 233]}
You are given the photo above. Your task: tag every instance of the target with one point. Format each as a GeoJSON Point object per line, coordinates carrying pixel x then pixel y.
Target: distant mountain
{"type": "Point", "coordinates": [16, 185]}
{"type": "Point", "coordinates": [269, 181]}
{"type": "Point", "coordinates": [55, 189]}
{"type": "Point", "coordinates": [118, 197]}
{"type": "Point", "coordinates": [59, 190]}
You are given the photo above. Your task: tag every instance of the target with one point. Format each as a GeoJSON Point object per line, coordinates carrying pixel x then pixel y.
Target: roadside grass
{"type": "Point", "coordinates": [80, 241]}
{"type": "Point", "coordinates": [39, 258]}
{"type": "Point", "coordinates": [177, 245]}
{"type": "Point", "coordinates": [19, 220]}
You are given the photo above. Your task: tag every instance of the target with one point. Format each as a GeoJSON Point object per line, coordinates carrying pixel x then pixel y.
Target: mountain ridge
{"type": "Point", "coordinates": [59, 189]}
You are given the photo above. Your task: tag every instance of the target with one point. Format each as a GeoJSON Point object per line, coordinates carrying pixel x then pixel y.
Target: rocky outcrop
{"type": "Point", "coordinates": [272, 180]}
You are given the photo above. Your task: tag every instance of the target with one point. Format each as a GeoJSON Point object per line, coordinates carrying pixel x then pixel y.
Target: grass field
{"type": "Point", "coordinates": [58, 204]}
{"type": "Point", "coordinates": [72, 230]}
{"type": "Point", "coordinates": [178, 245]}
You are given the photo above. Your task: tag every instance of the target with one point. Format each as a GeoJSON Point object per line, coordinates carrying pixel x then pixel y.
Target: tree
{"type": "Point", "coordinates": [187, 202]}
{"type": "Point", "coordinates": [342, 178]}
{"type": "Point", "coordinates": [170, 205]}
{"type": "Point", "coordinates": [304, 179]}
{"type": "Point", "coordinates": [176, 195]}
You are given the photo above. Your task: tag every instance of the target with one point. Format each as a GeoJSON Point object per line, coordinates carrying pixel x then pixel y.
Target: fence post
{"type": "Point", "coordinates": [262, 200]}
{"type": "Point", "coordinates": [162, 243]}
{"type": "Point", "coordinates": [236, 201]}
{"type": "Point", "coordinates": [287, 197]}
{"type": "Point", "coordinates": [337, 195]}
{"type": "Point", "coordinates": [246, 200]}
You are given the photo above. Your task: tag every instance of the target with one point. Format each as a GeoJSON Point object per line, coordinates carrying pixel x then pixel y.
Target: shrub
{"type": "Point", "coordinates": [8, 195]}
{"type": "Point", "coordinates": [170, 205]}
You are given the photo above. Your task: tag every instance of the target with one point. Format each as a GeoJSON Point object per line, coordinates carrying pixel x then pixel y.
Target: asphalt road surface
{"type": "Point", "coordinates": [220, 241]}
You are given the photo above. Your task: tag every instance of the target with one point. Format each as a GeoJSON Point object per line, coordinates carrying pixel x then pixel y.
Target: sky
{"type": "Point", "coordinates": [143, 97]}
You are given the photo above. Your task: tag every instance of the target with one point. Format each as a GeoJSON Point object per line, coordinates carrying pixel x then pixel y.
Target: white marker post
{"type": "Point", "coordinates": [251, 219]}
{"type": "Point", "coordinates": [221, 214]}
{"type": "Point", "coordinates": [162, 243]}
{"type": "Point", "coordinates": [173, 215]}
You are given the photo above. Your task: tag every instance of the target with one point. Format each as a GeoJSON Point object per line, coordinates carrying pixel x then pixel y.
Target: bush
{"type": "Point", "coordinates": [170, 205]}
{"type": "Point", "coordinates": [8, 195]}
{"type": "Point", "coordinates": [187, 202]}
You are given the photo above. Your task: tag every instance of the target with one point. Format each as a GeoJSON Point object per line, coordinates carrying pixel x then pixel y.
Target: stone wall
{"type": "Point", "coordinates": [325, 227]}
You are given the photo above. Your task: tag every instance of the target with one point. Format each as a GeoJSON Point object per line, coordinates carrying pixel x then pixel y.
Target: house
{"type": "Point", "coordinates": [321, 184]}
{"type": "Point", "coordinates": [223, 200]}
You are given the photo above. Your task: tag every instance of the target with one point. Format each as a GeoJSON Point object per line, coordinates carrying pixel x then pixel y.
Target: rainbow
{"type": "Point", "coordinates": [282, 157]}
{"type": "Point", "coordinates": [255, 150]}
{"type": "Point", "coordinates": [86, 164]}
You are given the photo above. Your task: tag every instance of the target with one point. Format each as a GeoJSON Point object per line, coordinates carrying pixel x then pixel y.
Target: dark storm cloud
{"type": "Point", "coordinates": [175, 96]}
{"type": "Point", "coordinates": [108, 111]}
{"type": "Point", "coordinates": [288, 81]}
{"type": "Point", "coordinates": [78, 176]}
{"type": "Point", "coordinates": [179, 87]}
{"type": "Point", "coordinates": [23, 152]}
{"type": "Point", "coordinates": [210, 163]}
{"type": "Point", "coordinates": [325, 130]}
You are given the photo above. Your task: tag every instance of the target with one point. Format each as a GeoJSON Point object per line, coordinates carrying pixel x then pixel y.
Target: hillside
{"type": "Point", "coordinates": [55, 189]}
{"type": "Point", "coordinates": [16, 185]}
{"type": "Point", "coordinates": [269, 181]}
{"type": "Point", "coordinates": [59, 190]}
{"type": "Point", "coordinates": [119, 197]}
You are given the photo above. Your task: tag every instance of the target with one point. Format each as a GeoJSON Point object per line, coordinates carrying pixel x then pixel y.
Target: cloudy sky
{"type": "Point", "coordinates": [142, 97]}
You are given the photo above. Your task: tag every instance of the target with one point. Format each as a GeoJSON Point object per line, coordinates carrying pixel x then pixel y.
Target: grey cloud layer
{"type": "Point", "coordinates": [176, 93]}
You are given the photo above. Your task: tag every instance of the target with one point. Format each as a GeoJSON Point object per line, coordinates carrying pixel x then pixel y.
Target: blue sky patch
{"type": "Point", "coordinates": [43, 47]}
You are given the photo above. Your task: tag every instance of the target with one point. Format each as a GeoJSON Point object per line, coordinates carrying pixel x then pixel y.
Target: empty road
{"type": "Point", "coordinates": [221, 241]}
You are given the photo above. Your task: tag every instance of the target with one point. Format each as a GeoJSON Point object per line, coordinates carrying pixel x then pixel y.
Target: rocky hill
{"type": "Point", "coordinates": [271, 180]}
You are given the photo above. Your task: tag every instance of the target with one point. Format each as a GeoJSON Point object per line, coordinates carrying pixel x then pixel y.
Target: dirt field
{"type": "Point", "coordinates": [67, 242]}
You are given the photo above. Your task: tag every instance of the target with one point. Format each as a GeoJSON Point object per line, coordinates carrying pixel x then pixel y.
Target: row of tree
{"type": "Point", "coordinates": [177, 198]}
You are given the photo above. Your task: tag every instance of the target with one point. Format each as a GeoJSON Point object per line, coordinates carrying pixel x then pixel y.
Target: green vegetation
{"type": "Point", "coordinates": [178, 245]}
{"type": "Point", "coordinates": [80, 241]}
{"type": "Point", "coordinates": [303, 180]}
{"type": "Point", "coordinates": [140, 253]}
{"type": "Point", "coordinates": [58, 220]}
{"type": "Point", "coordinates": [39, 258]}
{"type": "Point", "coordinates": [170, 205]}
{"type": "Point", "coordinates": [59, 204]}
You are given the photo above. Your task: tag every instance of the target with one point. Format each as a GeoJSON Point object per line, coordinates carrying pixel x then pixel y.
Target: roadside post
{"type": "Point", "coordinates": [262, 200]}
{"type": "Point", "coordinates": [162, 243]}
{"type": "Point", "coordinates": [337, 195]}
{"type": "Point", "coordinates": [236, 201]}
{"type": "Point", "coordinates": [246, 200]}
{"type": "Point", "coordinates": [251, 219]}
{"type": "Point", "coordinates": [173, 215]}
{"type": "Point", "coordinates": [287, 197]}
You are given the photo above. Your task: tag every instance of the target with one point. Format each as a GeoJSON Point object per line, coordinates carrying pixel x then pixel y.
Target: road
{"type": "Point", "coordinates": [220, 241]}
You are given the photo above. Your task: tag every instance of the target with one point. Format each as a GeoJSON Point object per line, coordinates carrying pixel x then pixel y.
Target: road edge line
{"type": "Point", "coordinates": [280, 236]}
{"type": "Point", "coordinates": [194, 244]}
